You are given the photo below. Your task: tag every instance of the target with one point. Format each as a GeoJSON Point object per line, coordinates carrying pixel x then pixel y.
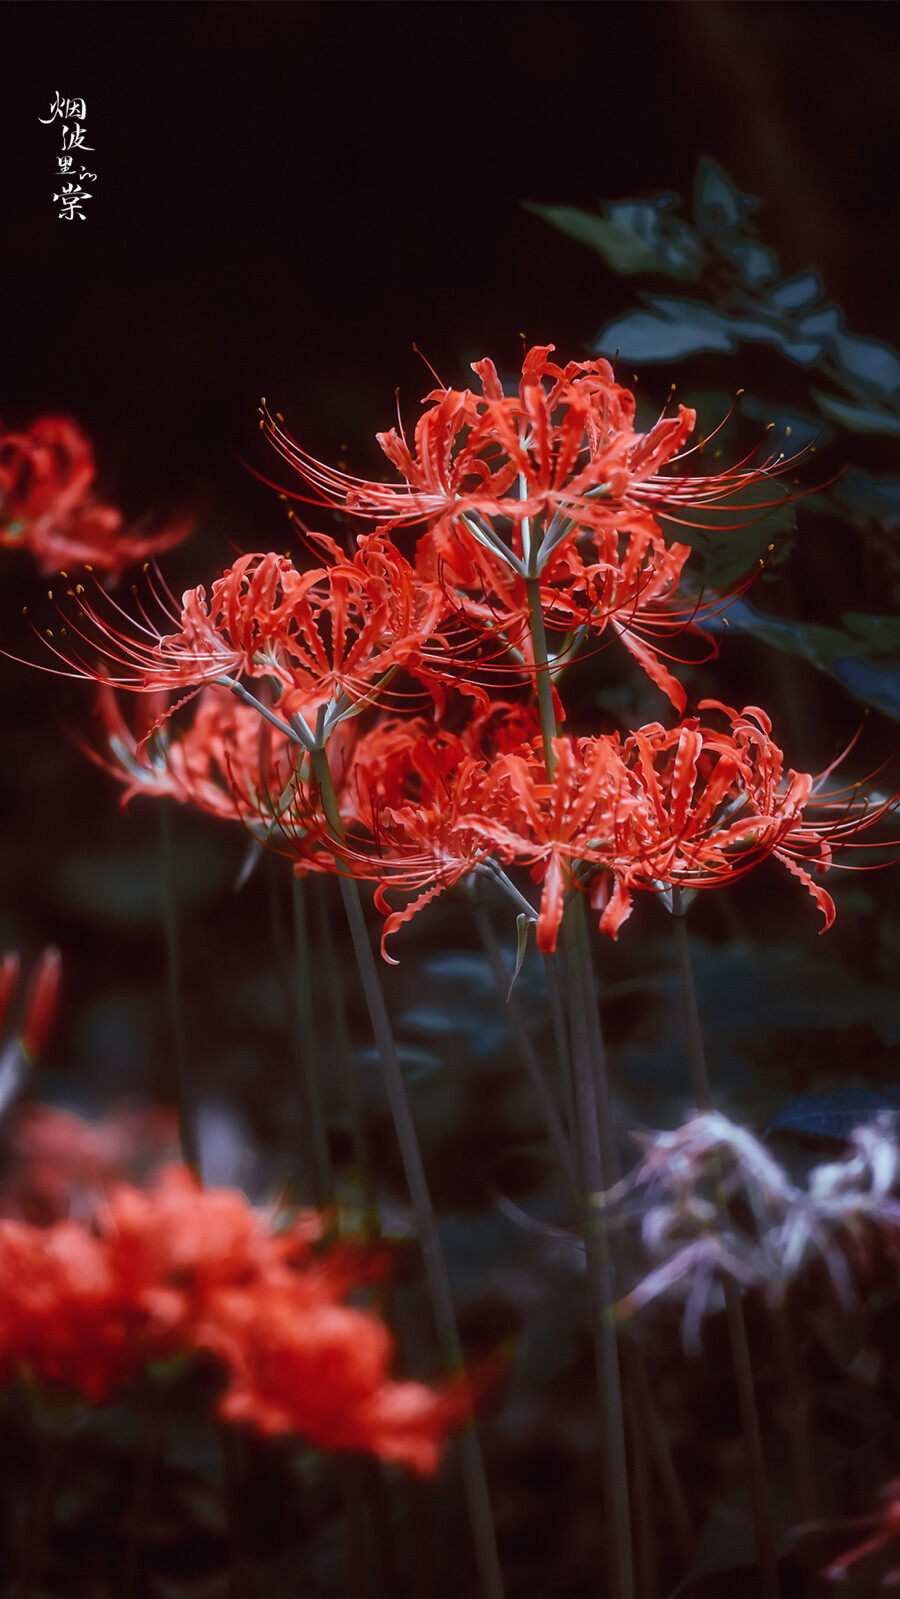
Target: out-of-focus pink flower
{"type": "Point", "coordinates": [60, 1164]}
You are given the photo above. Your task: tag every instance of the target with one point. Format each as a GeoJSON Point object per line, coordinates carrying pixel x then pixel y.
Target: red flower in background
{"type": "Point", "coordinates": [46, 504]}
{"type": "Point", "coordinates": [176, 1269]}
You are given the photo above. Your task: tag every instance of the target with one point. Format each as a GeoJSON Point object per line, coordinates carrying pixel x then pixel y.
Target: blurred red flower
{"type": "Point", "coordinates": [175, 1269]}
{"type": "Point", "coordinates": [46, 504]}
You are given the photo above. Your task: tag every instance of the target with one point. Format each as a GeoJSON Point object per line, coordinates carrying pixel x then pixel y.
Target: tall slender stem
{"type": "Point", "coordinates": [436, 1274]}
{"type": "Point", "coordinates": [561, 1039]}
{"type": "Point", "coordinates": [184, 1093]}
{"type": "Point", "coordinates": [524, 1045]}
{"type": "Point", "coordinates": [543, 682]}
{"type": "Point", "coordinates": [693, 1030]}
{"type": "Point", "coordinates": [313, 1142]}
{"type": "Point", "coordinates": [305, 1011]}
{"type": "Point", "coordinates": [346, 1066]}
{"type": "Point", "coordinates": [601, 1278]}
{"type": "Point", "coordinates": [734, 1309]}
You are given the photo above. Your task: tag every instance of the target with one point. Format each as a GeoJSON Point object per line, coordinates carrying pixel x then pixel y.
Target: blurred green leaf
{"type": "Point", "coordinates": [727, 553]}
{"type": "Point", "coordinates": [125, 886]}
{"type": "Point", "coordinates": [850, 655]}
{"type": "Point", "coordinates": [858, 418]}
{"type": "Point", "coordinates": [793, 293]}
{"type": "Point", "coordinates": [718, 204]}
{"type": "Point", "coordinates": [632, 236]}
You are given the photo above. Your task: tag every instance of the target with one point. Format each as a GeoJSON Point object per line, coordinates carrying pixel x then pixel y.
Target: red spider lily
{"type": "Point", "coordinates": [700, 807]}
{"type": "Point", "coordinates": [625, 581]}
{"type": "Point", "coordinates": [328, 634]}
{"type": "Point", "coordinates": [41, 999]}
{"type": "Point", "coordinates": [574, 488]}
{"type": "Point", "coordinates": [46, 505]}
{"type": "Point", "coordinates": [38, 1015]}
{"type": "Point", "coordinates": [404, 791]}
{"type": "Point", "coordinates": [178, 1269]}
{"type": "Point", "coordinates": [320, 1369]}
{"type": "Point", "coordinates": [691, 807]}
{"type": "Point", "coordinates": [226, 761]}
{"type": "Point", "coordinates": [563, 449]}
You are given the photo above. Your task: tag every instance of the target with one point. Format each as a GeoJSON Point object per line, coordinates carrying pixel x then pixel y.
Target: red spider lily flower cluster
{"type": "Point", "coordinates": [690, 807]}
{"type": "Point", "coordinates": [176, 1269]}
{"type": "Point", "coordinates": [553, 483]}
{"type": "Point", "coordinates": [539, 504]}
{"type": "Point", "coordinates": [47, 507]}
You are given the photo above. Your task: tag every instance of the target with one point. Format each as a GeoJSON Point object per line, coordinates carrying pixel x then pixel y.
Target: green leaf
{"type": "Point", "coordinates": [849, 655]}
{"type": "Point", "coordinates": [633, 236]}
{"type": "Point", "coordinates": [668, 332]}
{"type": "Point", "coordinates": [858, 418]}
{"type": "Point", "coordinates": [523, 923]}
{"type": "Point", "coordinates": [675, 327]}
{"type": "Point", "coordinates": [718, 204]}
{"type": "Point", "coordinates": [729, 552]}
{"type": "Point", "coordinates": [833, 1115]}
{"type": "Point", "coordinates": [792, 294]}
{"type": "Point", "coordinates": [864, 499]}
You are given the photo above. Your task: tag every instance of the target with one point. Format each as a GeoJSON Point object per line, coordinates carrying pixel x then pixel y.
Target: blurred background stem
{"type": "Point", "coordinates": [437, 1277]}
{"type": "Point", "coordinates": [185, 1096]}
{"type": "Point", "coordinates": [734, 1308]}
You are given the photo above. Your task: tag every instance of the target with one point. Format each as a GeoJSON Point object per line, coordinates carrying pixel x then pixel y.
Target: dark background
{"type": "Point", "coordinates": [288, 197]}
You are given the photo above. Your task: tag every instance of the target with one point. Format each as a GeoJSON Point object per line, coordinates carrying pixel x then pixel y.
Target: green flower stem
{"type": "Point", "coordinates": [601, 1279]}
{"type": "Point", "coordinates": [305, 1012]}
{"type": "Point", "coordinates": [561, 1039]}
{"type": "Point", "coordinates": [606, 1123]}
{"type": "Point", "coordinates": [184, 1094]}
{"type": "Point", "coordinates": [543, 681]}
{"type": "Point", "coordinates": [152, 1415]}
{"type": "Point", "coordinates": [340, 1042]}
{"type": "Point", "coordinates": [734, 1309]}
{"type": "Point", "coordinates": [696, 1052]}
{"type": "Point", "coordinates": [313, 1139]}
{"type": "Point", "coordinates": [524, 1045]}
{"type": "Point", "coordinates": [436, 1273]}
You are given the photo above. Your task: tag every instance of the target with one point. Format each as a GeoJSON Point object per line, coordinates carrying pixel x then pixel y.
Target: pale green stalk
{"type": "Point", "coordinates": [600, 1275]}
{"type": "Point", "coordinates": [437, 1277]}
{"type": "Point", "coordinates": [313, 1139]}
{"type": "Point", "coordinates": [524, 1045]}
{"type": "Point", "coordinates": [185, 1100]}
